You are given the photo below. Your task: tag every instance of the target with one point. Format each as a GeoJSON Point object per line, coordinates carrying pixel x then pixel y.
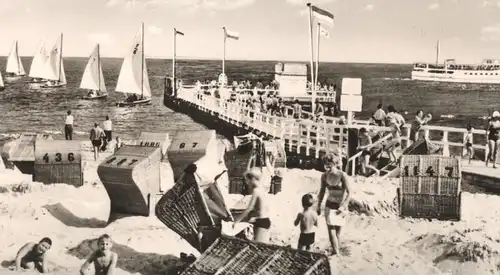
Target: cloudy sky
{"type": "Point", "coordinates": [395, 31]}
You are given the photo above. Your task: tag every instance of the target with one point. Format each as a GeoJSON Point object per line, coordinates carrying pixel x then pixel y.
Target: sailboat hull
{"type": "Point", "coordinates": [95, 97]}
{"type": "Point", "coordinates": [13, 78]}
{"type": "Point", "coordinates": [134, 103]}
{"type": "Point", "coordinates": [51, 86]}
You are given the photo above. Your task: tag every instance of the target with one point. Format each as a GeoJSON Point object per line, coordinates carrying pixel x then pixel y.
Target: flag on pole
{"type": "Point", "coordinates": [322, 15]}
{"type": "Point", "coordinates": [232, 35]}
{"type": "Point", "coordinates": [324, 32]}
{"type": "Point", "coordinates": [178, 32]}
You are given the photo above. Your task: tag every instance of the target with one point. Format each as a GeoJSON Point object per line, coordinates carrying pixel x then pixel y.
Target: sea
{"type": "Point", "coordinates": [43, 111]}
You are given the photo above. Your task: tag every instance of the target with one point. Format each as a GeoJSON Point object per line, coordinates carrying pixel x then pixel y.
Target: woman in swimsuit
{"type": "Point", "coordinates": [365, 144]}
{"type": "Point", "coordinates": [493, 134]}
{"type": "Point", "coordinates": [258, 205]}
{"type": "Point", "coordinates": [336, 182]}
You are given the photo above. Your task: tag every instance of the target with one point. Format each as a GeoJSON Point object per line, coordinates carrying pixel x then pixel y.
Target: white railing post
{"type": "Point", "coordinates": [446, 146]}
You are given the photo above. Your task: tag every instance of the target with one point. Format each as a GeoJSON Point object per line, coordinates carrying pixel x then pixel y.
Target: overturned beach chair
{"type": "Point", "coordinates": [228, 256]}
{"type": "Point", "coordinates": [194, 209]}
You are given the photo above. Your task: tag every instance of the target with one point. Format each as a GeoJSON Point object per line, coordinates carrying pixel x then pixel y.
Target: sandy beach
{"type": "Point", "coordinates": [375, 240]}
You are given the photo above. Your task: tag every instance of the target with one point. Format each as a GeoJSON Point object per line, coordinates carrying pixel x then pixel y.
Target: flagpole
{"type": "Point", "coordinates": [317, 55]}
{"type": "Point", "coordinates": [313, 88]}
{"type": "Point", "coordinates": [224, 53]}
{"type": "Point", "coordinates": [174, 87]}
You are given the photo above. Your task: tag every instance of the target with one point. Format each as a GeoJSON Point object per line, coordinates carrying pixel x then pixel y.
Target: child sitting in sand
{"type": "Point", "coordinates": [468, 143]}
{"type": "Point", "coordinates": [307, 220]}
{"type": "Point", "coordinates": [33, 256]}
{"type": "Point", "coordinates": [118, 144]}
{"type": "Point", "coordinates": [103, 258]}
{"type": "Point", "coordinates": [259, 205]}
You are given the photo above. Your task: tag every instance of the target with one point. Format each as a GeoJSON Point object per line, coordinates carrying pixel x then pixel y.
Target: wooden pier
{"type": "Point", "coordinates": [307, 141]}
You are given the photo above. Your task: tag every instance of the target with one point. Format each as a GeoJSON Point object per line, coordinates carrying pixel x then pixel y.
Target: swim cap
{"type": "Point", "coordinates": [496, 114]}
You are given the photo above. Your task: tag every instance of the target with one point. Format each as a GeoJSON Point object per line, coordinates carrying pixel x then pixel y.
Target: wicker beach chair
{"type": "Point", "coordinates": [229, 255]}
{"type": "Point", "coordinates": [194, 209]}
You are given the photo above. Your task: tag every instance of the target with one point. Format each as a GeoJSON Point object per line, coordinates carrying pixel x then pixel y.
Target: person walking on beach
{"type": "Point", "coordinates": [416, 124]}
{"type": "Point", "coordinates": [96, 135]}
{"type": "Point", "coordinates": [337, 183]}
{"type": "Point", "coordinates": [307, 219]}
{"type": "Point", "coordinates": [296, 110]}
{"type": "Point", "coordinates": [493, 134]}
{"type": "Point", "coordinates": [259, 204]}
{"type": "Point", "coordinates": [68, 127]}
{"type": "Point", "coordinates": [107, 127]}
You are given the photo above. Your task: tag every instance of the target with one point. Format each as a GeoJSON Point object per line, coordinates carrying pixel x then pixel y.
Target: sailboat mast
{"type": "Point", "coordinates": [437, 52]}
{"type": "Point", "coordinates": [142, 59]}
{"type": "Point", "coordinates": [18, 65]}
{"type": "Point", "coordinates": [99, 67]}
{"type": "Point", "coordinates": [60, 57]}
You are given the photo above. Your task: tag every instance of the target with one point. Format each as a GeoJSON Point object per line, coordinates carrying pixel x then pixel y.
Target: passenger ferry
{"type": "Point", "coordinates": [488, 72]}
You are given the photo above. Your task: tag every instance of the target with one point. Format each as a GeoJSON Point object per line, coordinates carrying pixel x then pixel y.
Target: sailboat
{"type": "Point", "coordinates": [133, 79]}
{"type": "Point", "coordinates": [93, 78]}
{"type": "Point", "coordinates": [54, 67]}
{"type": "Point", "coordinates": [15, 69]}
{"type": "Point", "coordinates": [38, 66]}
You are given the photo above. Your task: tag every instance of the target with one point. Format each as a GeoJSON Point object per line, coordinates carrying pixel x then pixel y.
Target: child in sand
{"type": "Point", "coordinates": [259, 205]}
{"type": "Point", "coordinates": [307, 220]}
{"type": "Point", "coordinates": [468, 143]}
{"type": "Point", "coordinates": [103, 258]}
{"type": "Point", "coordinates": [33, 255]}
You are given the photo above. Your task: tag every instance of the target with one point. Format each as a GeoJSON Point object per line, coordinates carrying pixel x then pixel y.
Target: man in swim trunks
{"type": "Point", "coordinates": [337, 183]}
{"type": "Point", "coordinates": [96, 136]}
{"type": "Point", "coordinates": [33, 255]}
{"type": "Point", "coordinates": [259, 204]}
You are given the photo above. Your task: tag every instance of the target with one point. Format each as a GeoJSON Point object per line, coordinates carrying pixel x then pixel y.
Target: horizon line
{"type": "Point", "coordinates": [228, 59]}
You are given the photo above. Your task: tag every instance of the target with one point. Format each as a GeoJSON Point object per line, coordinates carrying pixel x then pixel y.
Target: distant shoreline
{"type": "Point", "coordinates": [239, 60]}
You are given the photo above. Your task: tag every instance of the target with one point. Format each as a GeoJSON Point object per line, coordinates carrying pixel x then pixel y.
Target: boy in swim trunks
{"type": "Point", "coordinates": [307, 220]}
{"type": "Point", "coordinates": [259, 204]}
{"type": "Point", "coordinates": [103, 258]}
{"type": "Point", "coordinates": [33, 255]}
{"type": "Point", "coordinates": [337, 183]}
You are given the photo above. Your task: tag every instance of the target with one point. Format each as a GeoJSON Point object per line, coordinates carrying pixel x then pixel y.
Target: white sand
{"type": "Point", "coordinates": [378, 244]}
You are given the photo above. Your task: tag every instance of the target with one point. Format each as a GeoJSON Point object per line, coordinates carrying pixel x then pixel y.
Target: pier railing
{"type": "Point", "coordinates": [317, 138]}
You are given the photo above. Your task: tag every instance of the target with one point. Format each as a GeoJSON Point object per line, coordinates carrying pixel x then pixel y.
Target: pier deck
{"type": "Point", "coordinates": [306, 141]}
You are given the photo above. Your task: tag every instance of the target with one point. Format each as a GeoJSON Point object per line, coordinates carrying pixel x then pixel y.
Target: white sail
{"type": "Point", "coordinates": [54, 66]}
{"type": "Point", "coordinates": [93, 78]}
{"type": "Point", "coordinates": [38, 63]}
{"type": "Point", "coordinates": [133, 78]}
{"type": "Point", "coordinates": [14, 64]}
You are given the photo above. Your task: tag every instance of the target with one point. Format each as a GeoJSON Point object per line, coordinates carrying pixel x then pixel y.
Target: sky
{"type": "Point", "coordinates": [374, 31]}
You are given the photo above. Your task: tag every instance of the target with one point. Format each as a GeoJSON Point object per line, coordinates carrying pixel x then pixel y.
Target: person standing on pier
{"type": "Point", "coordinates": [337, 183]}
{"type": "Point", "coordinates": [320, 111]}
{"type": "Point", "coordinates": [297, 109]}
{"type": "Point", "coordinates": [68, 127]}
{"type": "Point", "coordinates": [493, 134]}
{"type": "Point", "coordinates": [379, 115]}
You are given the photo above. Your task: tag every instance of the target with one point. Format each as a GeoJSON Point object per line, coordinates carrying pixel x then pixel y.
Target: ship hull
{"type": "Point", "coordinates": [458, 76]}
